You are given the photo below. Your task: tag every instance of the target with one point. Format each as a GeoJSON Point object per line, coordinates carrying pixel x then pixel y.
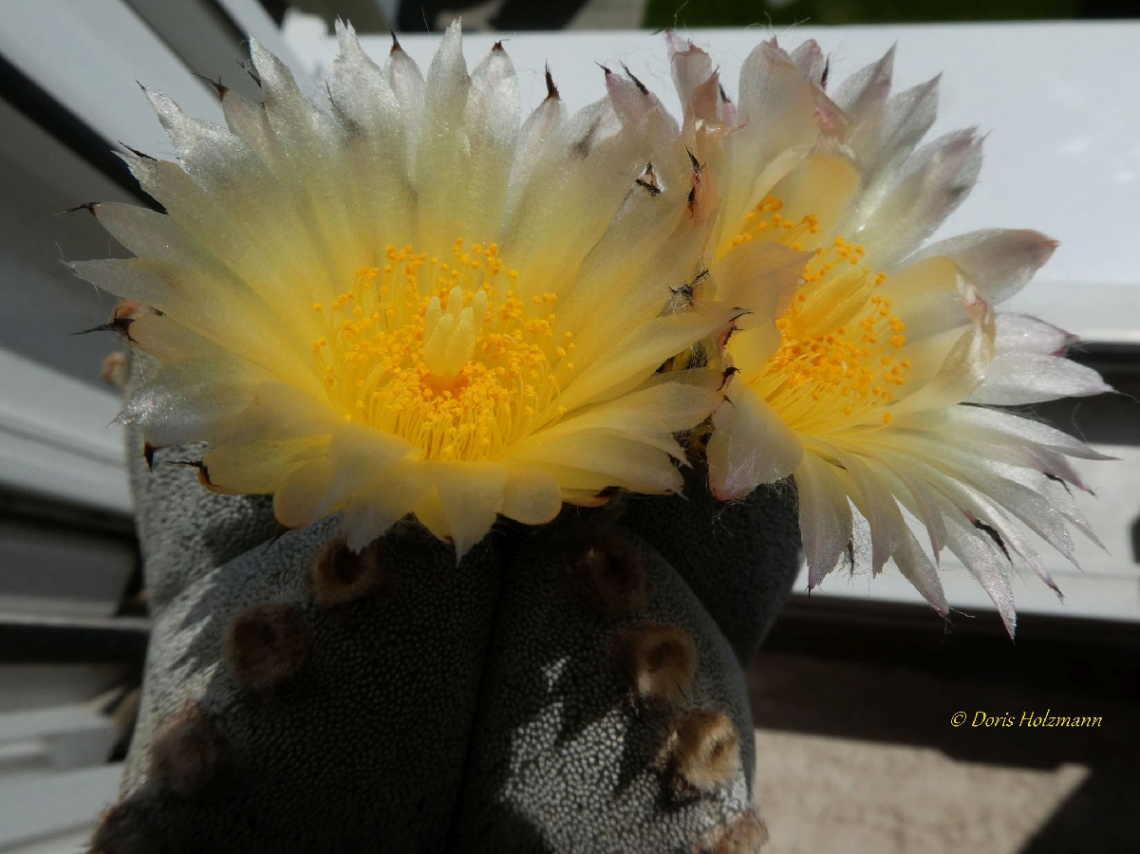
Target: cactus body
{"type": "Point", "coordinates": [569, 688]}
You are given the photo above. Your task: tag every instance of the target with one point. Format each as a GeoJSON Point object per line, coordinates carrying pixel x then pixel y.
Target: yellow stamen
{"type": "Point", "coordinates": [462, 370]}
{"type": "Point", "coordinates": [838, 355]}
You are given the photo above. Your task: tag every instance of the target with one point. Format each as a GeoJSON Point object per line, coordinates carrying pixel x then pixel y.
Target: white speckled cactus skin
{"type": "Point", "coordinates": [740, 558]}
{"type": "Point", "coordinates": [478, 707]}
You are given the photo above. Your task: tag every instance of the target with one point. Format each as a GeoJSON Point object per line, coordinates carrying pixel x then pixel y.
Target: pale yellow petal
{"type": "Point", "coordinates": [605, 461]}
{"type": "Point", "coordinates": [470, 496]}
{"type": "Point", "coordinates": [262, 466]}
{"type": "Point", "coordinates": [750, 445]}
{"type": "Point", "coordinates": [277, 411]}
{"type": "Point", "coordinates": [372, 510]}
{"type": "Point", "coordinates": [822, 186]}
{"type": "Point", "coordinates": [531, 496]}
{"type": "Point", "coordinates": [668, 403]}
{"type": "Point", "coordinates": [631, 360]}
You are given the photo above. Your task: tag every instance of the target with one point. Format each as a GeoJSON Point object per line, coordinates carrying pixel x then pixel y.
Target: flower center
{"type": "Point", "coordinates": [838, 360]}
{"type": "Point", "coordinates": [443, 354]}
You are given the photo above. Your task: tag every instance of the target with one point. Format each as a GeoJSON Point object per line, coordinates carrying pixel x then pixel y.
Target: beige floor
{"type": "Point", "coordinates": [822, 794]}
{"type": "Point", "coordinates": [862, 759]}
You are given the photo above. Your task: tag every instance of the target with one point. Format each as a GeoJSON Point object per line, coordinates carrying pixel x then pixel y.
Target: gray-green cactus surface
{"type": "Point", "coordinates": [575, 687]}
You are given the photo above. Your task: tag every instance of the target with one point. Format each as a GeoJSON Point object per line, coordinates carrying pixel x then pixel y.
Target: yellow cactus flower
{"type": "Point", "coordinates": [869, 380]}
{"type": "Point", "coordinates": [409, 302]}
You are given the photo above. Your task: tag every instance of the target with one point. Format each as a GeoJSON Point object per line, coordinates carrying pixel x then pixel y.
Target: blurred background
{"type": "Point", "coordinates": [854, 692]}
{"type": "Point", "coordinates": [511, 15]}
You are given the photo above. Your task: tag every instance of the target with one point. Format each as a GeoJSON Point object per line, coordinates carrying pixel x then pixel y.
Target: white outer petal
{"type": "Point", "coordinates": [886, 136]}
{"type": "Point", "coordinates": [407, 82]}
{"type": "Point", "coordinates": [981, 557]}
{"type": "Point", "coordinates": [1022, 333]}
{"type": "Point", "coordinates": [998, 262]}
{"type": "Point", "coordinates": [825, 516]}
{"type": "Point", "coordinates": [751, 444]}
{"type": "Point", "coordinates": [1007, 428]}
{"type": "Point", "coordinates": [938, 179]}
{"type": "Point", "coordinates": [491, 123]}
{"type": "Point", "coordinates": [439, 172]}
{"type": "Point", "coordinates": [1015, 378]}
{"type": "Point", "coordinates": [539, 132]}
{"type": "Point", "coordinates": [864, 93]}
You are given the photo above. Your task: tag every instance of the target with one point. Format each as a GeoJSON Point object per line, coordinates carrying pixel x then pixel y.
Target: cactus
{"type": "Point", "coordinates": [574, 687]}
{"type": "Point", "coordinates": [502, 669]}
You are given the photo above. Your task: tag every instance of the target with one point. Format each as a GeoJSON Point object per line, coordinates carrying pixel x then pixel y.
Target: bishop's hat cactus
{"type": "Point", "coordinates": [460, 444]}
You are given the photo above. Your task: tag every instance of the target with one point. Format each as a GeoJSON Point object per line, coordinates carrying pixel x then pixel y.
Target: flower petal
{"type": "Point", "coordinates": [998, 262]}
{"type": "Point", "coordinates": [591, 166]}
{"type": "Point", "coordinates": [439, 155]}
{"type": "Point", "coordinates": [667, 403]}
{"type": "Point", "coordinates": [642, 113]}
{"type": "Point", "coordinates": [470, 496]}
{"type": "Point", "coordinates": [539, 132]}
{"type": "Point", "coordinates": [961, 373]}
{"type": "Point", "coordinates": [377, 142]}
{"type": "Point", "coordinates": [822, 186]}
{"type": "Point", "coordinates": [1015, 378]}
{"type": "Point", "coordinates": [531, 496]}
{"type": "Point", "coordinates": [884, 137]}
{"type": "Point", "coordinates": [275, 411]}
{"type": "Point", "coordinates": [375, 508]}
{"type": "Point", "coordinates": [777, 112]}
{"type": "Point", "coordinates": [184, 401]}
{"type": "Point", "coordinates": [874, 502]}
{"type": "Point", "coordinates": [356, 456]}
{"type": "Point", "coordinates": [1006, 428]}
{"type": "Point", "coordinates": [863, 94]}
{"type": "Point", "coordinates": [491, 119]}
{"type": "Point", "coordinates": [593, 461]}
{"type": "Point", "coordinates": [982, 558]}
{"type": "Point", "coordinates": [825, 517]}
{"type": "Point", "coordinates": [691, 68]}
{"type": "Point", "coordinates": [761, 276]}
{"type": "Point", "coordinates": [918, 569]}
{"type": "Point", "coordinates": [260, 467]}
{"type": "Point", "coordinates": [940, 176]}
{"type": "Point", "coordinates": [409, 87]}
{"type": "Point", "coordinates": [630, 360]}
{"type": "Point", "coordinates": [751, 445]}
{"type": "Point", "coordinates": [632, 249]}
{"type": "Point", "coordinates": [809, 59]}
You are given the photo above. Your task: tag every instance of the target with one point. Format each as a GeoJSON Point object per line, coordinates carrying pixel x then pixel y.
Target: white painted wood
{"type": "Point", "coordinates": [54, 739]}
{"type": "Point", "coordinates": [252, 19]}
{"type": "Point", "coordinates": [63, 842]}
{"type": "Point", "coordinates": [54, 808]}
{"type": "Point", "coordinates": [91, 56]}
{"type": "Point", "coordinates": [58, 437]}
{"type": "Point", "coordinates": [54, 569]}
{"type": "Point", "coordinates": [29, 686]}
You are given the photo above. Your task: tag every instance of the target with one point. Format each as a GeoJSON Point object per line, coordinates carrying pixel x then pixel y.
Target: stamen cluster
{"type": "Point", "coordinates": [444, 354]}
{"type": "Point", "coordinates": [839, 355]}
